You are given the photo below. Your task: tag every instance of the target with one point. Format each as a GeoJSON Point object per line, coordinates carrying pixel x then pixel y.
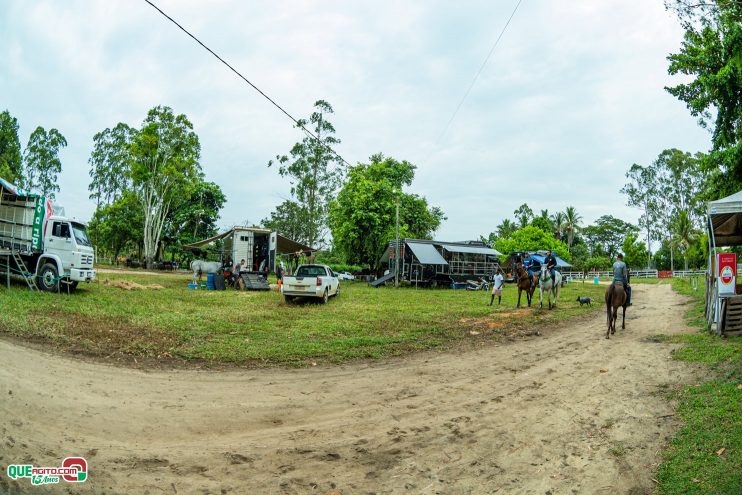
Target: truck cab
{"type": "Point", "coordinates": [67, 252]}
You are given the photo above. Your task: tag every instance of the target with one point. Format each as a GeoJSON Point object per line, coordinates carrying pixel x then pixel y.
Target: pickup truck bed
{"type": "Point", "coordinates": [317, 281]}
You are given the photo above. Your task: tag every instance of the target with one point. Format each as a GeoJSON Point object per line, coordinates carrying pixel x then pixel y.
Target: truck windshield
{"type": "Point", "coordinates": [311, 271]}
{"type": "Point", "coordinates": [81, 235]}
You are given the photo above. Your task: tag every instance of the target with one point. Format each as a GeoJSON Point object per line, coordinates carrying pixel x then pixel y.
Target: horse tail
{"type": "Point", "coordinates": [190, 265]}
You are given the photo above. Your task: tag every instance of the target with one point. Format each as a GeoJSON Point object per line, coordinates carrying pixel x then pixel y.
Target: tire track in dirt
{"type": "Point", "coordinates": [529, 417]}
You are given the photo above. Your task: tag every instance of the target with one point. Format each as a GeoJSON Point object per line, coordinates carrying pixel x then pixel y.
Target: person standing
{"type": "Point", "coordinates": [497, 284]}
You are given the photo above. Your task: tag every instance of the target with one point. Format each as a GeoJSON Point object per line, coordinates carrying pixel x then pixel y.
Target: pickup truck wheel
{"type": "Point", "coordinates": [48, 278]}
{"type": "Point", "coordinates": [325, 297]}
{"type": "Point", "coordinates": [337, 292]}
{"type": "Point", "coordinates": [288, 299]}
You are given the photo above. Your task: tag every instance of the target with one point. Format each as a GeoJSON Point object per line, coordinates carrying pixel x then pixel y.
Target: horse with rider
{"type": "Point", "coordinates": [533, 273]}
{"type": "Point", "coordinates": [617, 295]}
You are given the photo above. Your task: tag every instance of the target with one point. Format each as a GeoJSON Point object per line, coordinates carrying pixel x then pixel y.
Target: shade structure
{"type": "Point", "coordinates": [455, 248]}
{"type": "Point", "coordinates": [426, 254]}
{"type": "Point", "coordinates": [725, 220]}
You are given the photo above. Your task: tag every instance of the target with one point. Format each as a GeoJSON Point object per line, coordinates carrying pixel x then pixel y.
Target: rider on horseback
{"type": "Point", "coordinates": [621, 274]}
{"type": "Point", "coordinates": [533, 266]}
{"type": "Point", "coordinates": [551, 264]}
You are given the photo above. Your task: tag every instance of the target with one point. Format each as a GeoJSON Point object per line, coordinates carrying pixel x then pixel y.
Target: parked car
{"type": "Point", "coordinates": [318, 281]}
{"type": "Point", "coordinates": [346, 276]}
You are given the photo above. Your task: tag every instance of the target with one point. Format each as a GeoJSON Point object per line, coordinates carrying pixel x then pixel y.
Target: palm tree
{"type": "Point", "coordinates": [557, 220]}
{"type": "Point", "coordinates": [572, 221]}
{"type": "Point", "coordinates": [506, 229]}
{"type": "Point", "coordinates": [683, 233]}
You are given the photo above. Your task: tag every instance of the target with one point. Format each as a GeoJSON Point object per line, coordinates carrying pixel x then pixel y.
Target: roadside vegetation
{"type": "Point", "coordinates": [705, 457]}
{"type": "Point", "coordinates": [259, 329]}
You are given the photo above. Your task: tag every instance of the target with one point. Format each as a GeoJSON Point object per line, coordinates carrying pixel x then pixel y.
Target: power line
{"type": "Point", "coordinates": [476, 76]}
{"type": "Point", "coordinates": [296, 122]}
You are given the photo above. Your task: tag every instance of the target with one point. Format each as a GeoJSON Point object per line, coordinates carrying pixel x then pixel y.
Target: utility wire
{"type": "Point", "coordinates": [476, 76]}
{"type": "Point", "coordinates": [296, 122]}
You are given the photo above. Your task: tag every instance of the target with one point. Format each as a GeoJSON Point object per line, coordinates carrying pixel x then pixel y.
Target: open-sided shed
{"type": "Point", "coordinates": [432, 262]}
{"type": "Point", "coordinates": [723, 299]}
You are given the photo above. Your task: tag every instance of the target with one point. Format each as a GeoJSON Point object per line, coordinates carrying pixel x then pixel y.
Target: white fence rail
{"type": "Point", "coordinates": [634, 274]}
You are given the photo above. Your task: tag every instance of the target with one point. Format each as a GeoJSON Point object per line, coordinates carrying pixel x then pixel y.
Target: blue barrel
{"type": "Point", "coordinates": [210, 281]}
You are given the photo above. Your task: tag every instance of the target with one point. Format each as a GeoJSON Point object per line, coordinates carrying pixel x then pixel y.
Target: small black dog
{"type": "Point", "coordinates": [585, 300]}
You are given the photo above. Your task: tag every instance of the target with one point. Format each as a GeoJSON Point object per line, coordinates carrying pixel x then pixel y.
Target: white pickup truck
{"type": "Point", "coordinates": [311, 281]}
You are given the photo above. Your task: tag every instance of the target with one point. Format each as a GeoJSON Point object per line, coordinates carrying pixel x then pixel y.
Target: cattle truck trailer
{"type": "Point", "coordinates": [39, 244]}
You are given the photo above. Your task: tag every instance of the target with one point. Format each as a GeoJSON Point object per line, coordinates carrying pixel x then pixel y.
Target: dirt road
{"type": "Point", "coordinates": [531, 417]}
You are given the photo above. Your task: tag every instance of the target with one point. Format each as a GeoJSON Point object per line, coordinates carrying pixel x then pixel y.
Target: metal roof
{"type": "Point", "coordinates": [457, 248]}
{"type": "Point", "coordinates": [426, 254]}
{"type": "Point", "coordinates": [725, 220]}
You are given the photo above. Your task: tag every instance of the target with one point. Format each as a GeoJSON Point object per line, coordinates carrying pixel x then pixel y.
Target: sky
{"type": "Point", "coordinates": [572, 95]}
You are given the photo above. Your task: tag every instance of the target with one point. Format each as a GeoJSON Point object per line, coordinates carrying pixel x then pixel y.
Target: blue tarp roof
{"type": "Point", "coordinates": [560, 262]}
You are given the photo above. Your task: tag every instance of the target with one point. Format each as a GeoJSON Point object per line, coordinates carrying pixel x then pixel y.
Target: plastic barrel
{"type": "Point", "coordinates": [210, 281]}
{"type": "Point", "coordinates": [595, 280]}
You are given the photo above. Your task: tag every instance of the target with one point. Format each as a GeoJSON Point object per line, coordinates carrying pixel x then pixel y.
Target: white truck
{"type": "Point", "coordinates": [311, 281]}
{"type": "Point", "coordinates": [41, 245]}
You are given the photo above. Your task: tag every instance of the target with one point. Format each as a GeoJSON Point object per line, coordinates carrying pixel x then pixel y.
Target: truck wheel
{"type": "Point", "coordinates": [325, 297]}
{"type": "Point", "coordinates": [337, 292]}
{"type": "Point", "coordinates": [48, 278]}
{"type": "Point", "coordinates": [288, 299]}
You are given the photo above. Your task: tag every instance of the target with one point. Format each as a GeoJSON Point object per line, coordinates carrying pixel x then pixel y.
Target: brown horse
{"type": "Point", "coordinates": [615, 297]}
{"type": "Point", "coordinates": [524, 284]}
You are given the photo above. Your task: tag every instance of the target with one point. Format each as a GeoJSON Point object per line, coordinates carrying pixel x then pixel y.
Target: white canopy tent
{"type": "Point", "coordinates": [723, 311]}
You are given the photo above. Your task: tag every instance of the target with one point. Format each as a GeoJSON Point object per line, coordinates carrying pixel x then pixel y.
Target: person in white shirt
{"type": "Point", "coordinates": [497, 287]}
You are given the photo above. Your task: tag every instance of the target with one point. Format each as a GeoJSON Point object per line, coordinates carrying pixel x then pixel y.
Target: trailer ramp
{"type": "Point", "coordinates": [382, 280]}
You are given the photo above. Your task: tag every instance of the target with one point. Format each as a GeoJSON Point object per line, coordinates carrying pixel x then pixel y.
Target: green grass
{"type": "Point", "coordinates": [711, 413]}
{"type": "Point", "coordinates": [258, 328]}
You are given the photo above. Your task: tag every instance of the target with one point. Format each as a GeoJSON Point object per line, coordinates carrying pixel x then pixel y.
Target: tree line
{"type": "Point", "coordinates": [38, 165]}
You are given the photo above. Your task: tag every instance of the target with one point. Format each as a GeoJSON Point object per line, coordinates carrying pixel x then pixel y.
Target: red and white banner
{"type": "Point", "coordinates": [726, 272]}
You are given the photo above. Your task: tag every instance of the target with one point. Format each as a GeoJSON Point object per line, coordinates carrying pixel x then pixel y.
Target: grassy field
{"type": "Point", "coordinates": [258, 328]}
{"type": "Point", "coordinates": [706, 455]}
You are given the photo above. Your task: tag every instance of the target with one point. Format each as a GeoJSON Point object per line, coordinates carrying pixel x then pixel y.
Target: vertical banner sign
{"type": "Point", "coordinates": [726, 272]}
{"type": "Point", "coordinates": [38, 223]}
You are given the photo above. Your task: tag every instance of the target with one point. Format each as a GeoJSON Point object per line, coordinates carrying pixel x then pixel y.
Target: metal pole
{"type": "Point", "coordinates": [396, 249]}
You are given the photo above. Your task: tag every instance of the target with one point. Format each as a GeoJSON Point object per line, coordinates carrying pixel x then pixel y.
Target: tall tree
{"type": "Point", "coordinates": [10, 148]}
{"type": "Point", "coordinates": [41, 163]}
{"type": "Point", "coordinates": [314, 171]}
{"type": "Point", "coordinates": [195, 215]}
{"type": "Point", "coordinates": [289, 220]}
{"type": "Point", "coordinates": [165, 161]}
{"type": "Point", "coordinates": [710, 54]}
{"type": "Point", "coordinates": [362, 218]}
{"type": "Point", "coordinates": [572, 221]}
{"type": "Point", "coordinates": [523, 215]}
{"type": "Point", "coordinates": [642, 191]}
{"type": "Point", "coordinates": [681, 183]}
{"type": "Point", "coordinates": [118, 225]}
{"type": "Point", "coordinates": [110, 164]}
{"type": "Point", "coordinates": [557, 222]}
{"type": "Point", "coordinates": [635, 252]}
{"type": "Point", "coordinates": [606, 237]}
